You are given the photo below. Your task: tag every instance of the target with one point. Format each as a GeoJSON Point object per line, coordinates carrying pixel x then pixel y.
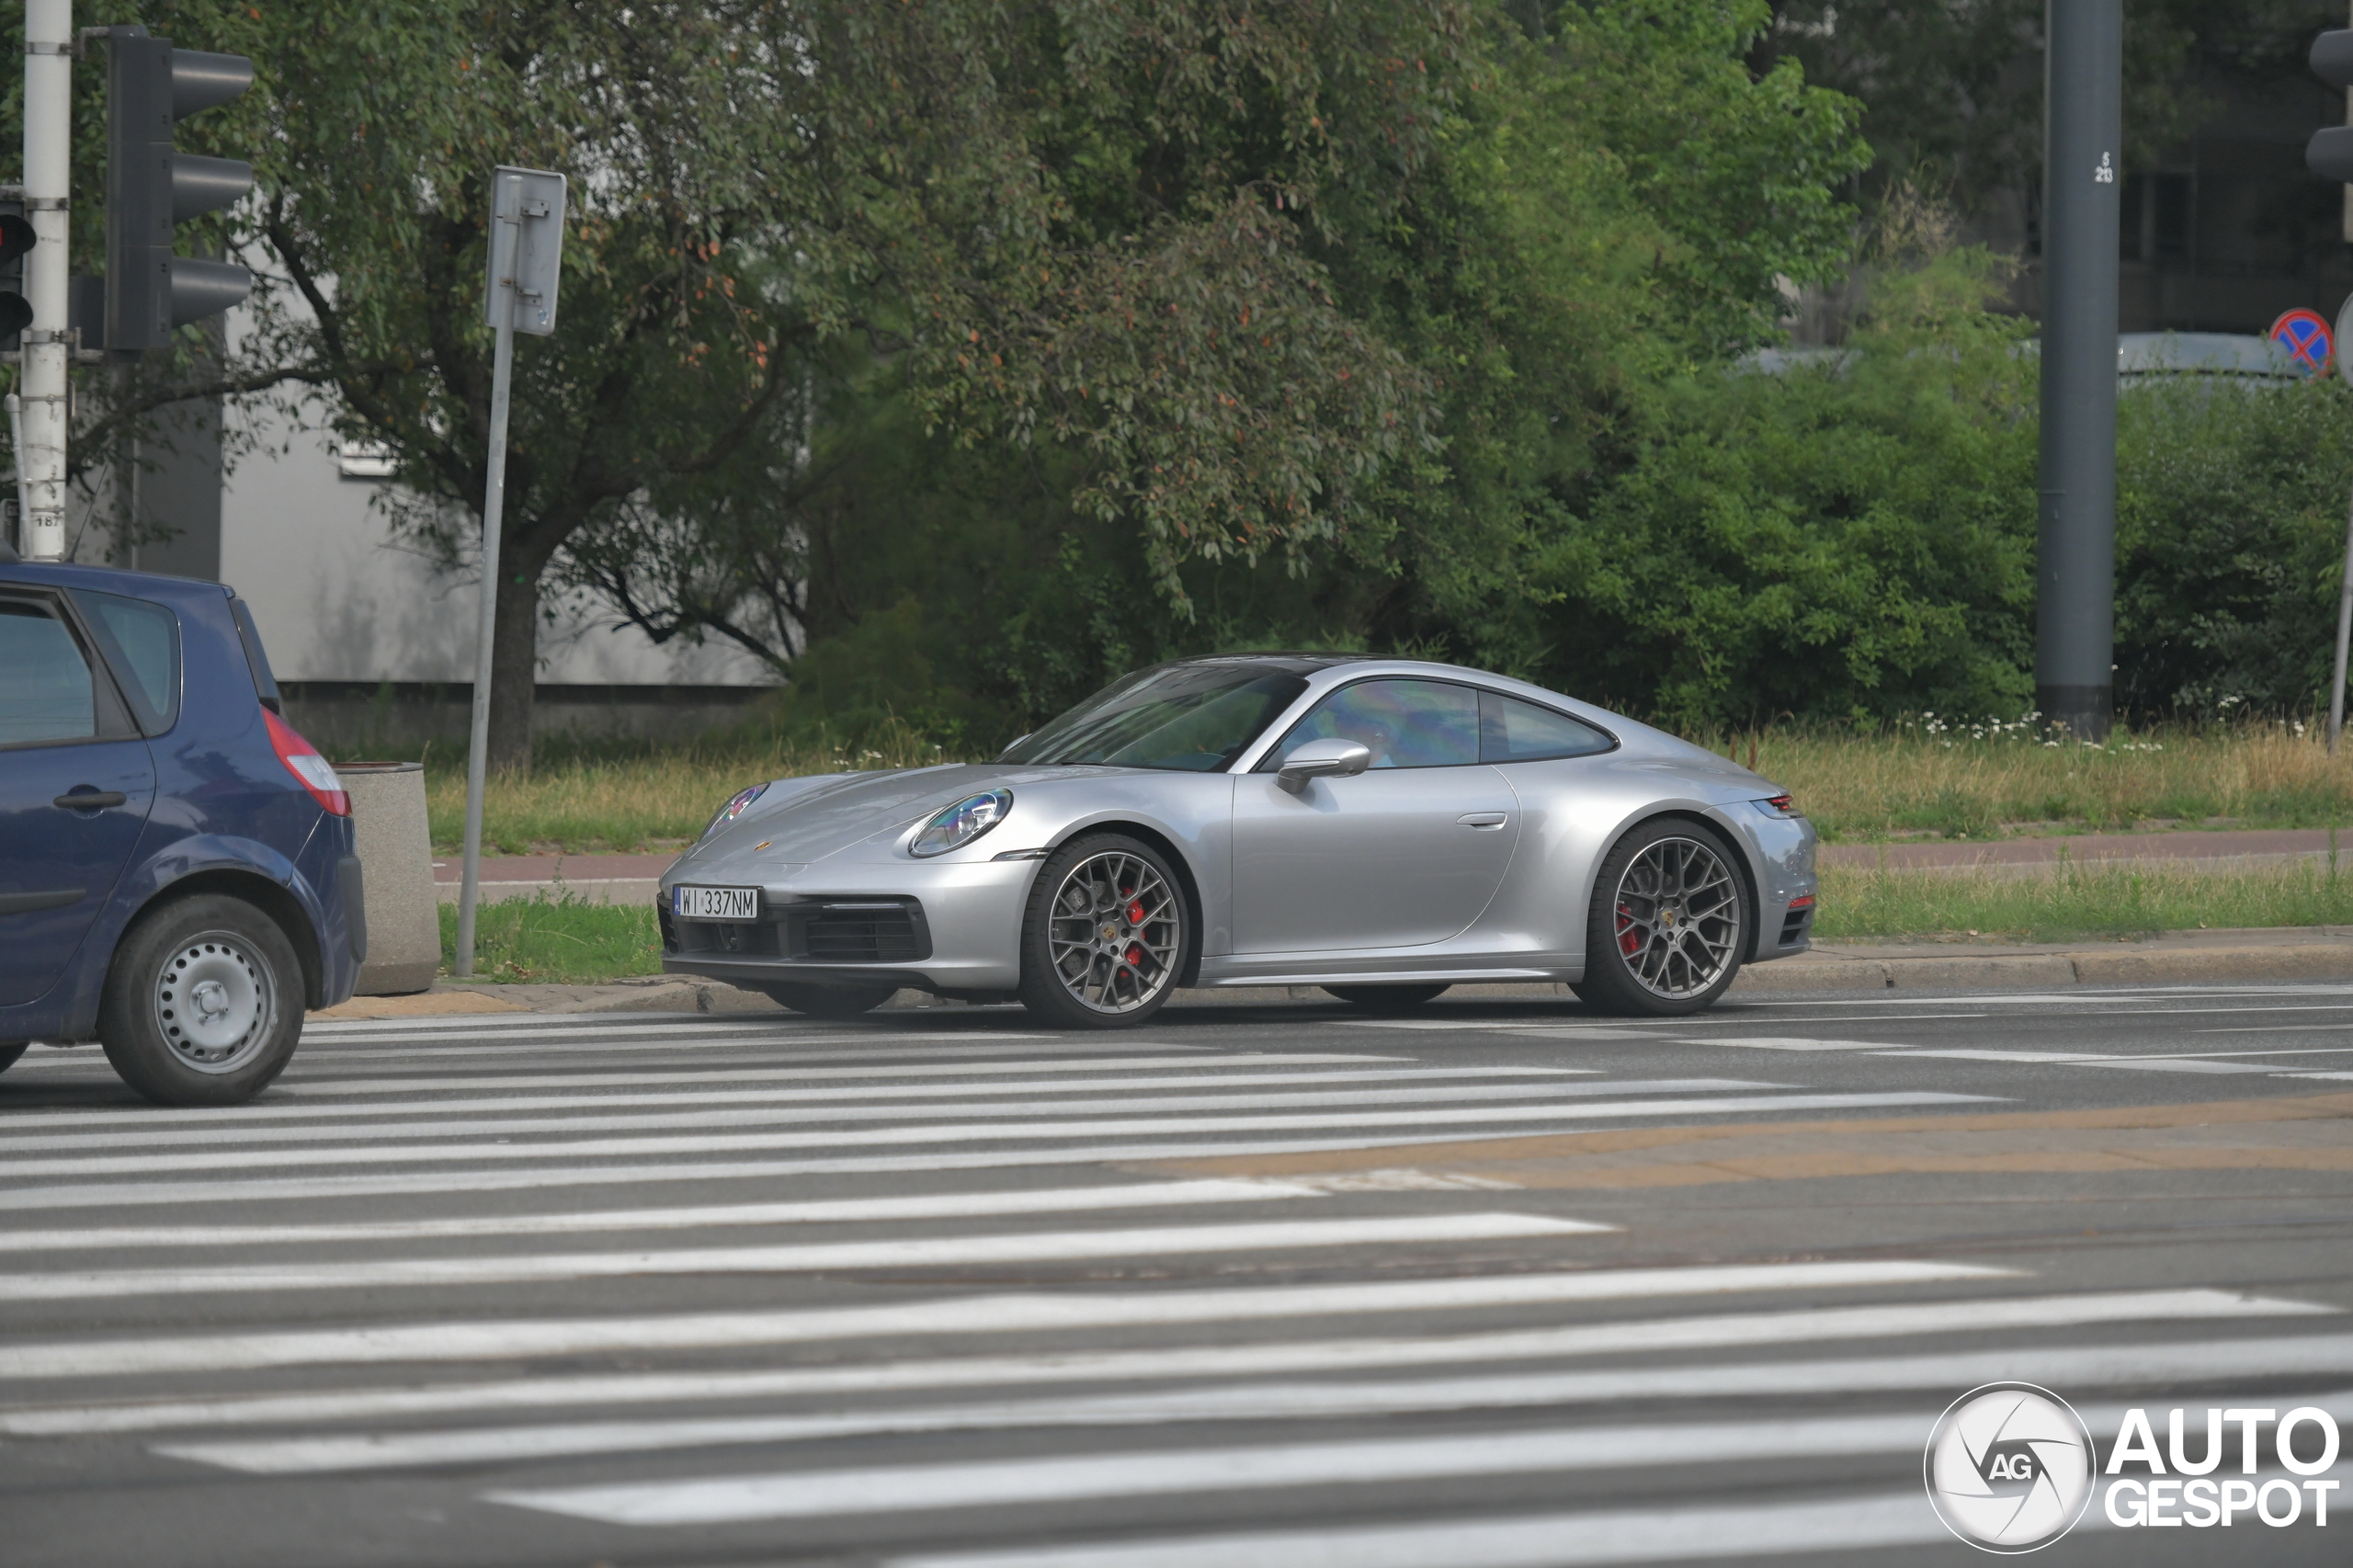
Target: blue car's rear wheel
{"type": "Point", "coordinates": [1104, 937]}
{"type": "Point", "coordinates": [203, 1003]}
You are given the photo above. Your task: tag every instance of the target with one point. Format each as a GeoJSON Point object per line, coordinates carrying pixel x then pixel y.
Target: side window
{"type": "Point", "coordinates": [142, 642]}
{"type": "Point", "coordinates": [1513, 730]}
{"type": "Point", "coordinates": [1405, 724]}
{"type": "Point", "coordinates": [49, 695]}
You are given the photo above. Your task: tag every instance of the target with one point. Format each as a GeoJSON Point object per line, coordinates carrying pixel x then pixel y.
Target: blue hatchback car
{"type": "Point", "coordinates": [177, 874]}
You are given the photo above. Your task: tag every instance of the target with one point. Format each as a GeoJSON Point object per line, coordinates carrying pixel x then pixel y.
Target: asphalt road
{"type": "Point", "coordinates": [1498, 1284]}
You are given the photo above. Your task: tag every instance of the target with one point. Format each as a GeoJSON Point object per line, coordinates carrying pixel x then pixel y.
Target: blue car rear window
{"type": "Point", "coordinates": [48, 696]}
{"type": "Point", "coordinates": [144, 644]}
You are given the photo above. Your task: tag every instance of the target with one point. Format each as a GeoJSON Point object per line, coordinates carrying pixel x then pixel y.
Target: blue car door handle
{"type": "Point", "coordinates": [90, 799]}
{"type": "Point", "coordinates": [1482, 819]}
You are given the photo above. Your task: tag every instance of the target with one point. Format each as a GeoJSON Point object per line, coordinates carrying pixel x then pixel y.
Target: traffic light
{"type": "Point", "coordinates": [15, 239]}
{"type": "Point", "coordinates": [2330, 152]}
{"type": "Point", "coordinates": [151, 186]}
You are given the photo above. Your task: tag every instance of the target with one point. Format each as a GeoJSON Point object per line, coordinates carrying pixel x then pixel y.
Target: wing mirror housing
{"type": "Point", "coordinates": [1324, 760]}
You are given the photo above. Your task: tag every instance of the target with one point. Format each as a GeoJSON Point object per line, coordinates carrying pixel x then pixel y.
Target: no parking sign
{"type": "Point", "coordinates": [2305, 335]}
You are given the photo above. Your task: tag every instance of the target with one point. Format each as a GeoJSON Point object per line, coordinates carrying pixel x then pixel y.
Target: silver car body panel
{"type": "Point", "coordinates": [1483, 871]}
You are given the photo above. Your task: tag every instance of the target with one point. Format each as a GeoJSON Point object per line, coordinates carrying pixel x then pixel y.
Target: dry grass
{"type": "Point", "coordinates": [614, 797]}
{"type": "Point", "coordinates": [1998, 780]}
{"type": "Point", "coordinates": [587, 797]}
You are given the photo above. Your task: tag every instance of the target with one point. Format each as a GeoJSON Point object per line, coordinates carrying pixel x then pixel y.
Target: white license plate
{"type": "Point", "coordinates": [715, 903]}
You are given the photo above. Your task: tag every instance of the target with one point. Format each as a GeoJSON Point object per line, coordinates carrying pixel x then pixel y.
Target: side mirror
{"type": "Point", "coordinates": [1324, 760]}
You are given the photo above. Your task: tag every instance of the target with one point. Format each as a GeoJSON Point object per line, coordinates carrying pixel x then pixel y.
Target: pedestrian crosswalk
{"type": "Point", "coordinates": [920, 1298]}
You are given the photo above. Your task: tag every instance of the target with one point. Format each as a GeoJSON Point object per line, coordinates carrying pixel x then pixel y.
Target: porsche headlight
{"type": "Point", "coordinates": [961, 823]}
{"type": "Point", "coordinates": [734, 808]}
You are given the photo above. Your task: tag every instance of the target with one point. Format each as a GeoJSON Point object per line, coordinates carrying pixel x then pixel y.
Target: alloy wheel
{"type": "Point", "coordinates": [1113, 932]}
{"type": "Point", "coordinates": [1677, 917]}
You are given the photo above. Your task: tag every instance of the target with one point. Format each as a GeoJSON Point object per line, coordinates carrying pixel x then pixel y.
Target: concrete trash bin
{"type": "Point", "coordinates": [396, 855]}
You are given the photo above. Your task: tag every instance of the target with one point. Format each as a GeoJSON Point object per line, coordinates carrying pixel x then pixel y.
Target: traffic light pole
{"type": "Point", "coordinates": [2074, 640]}
{"type": "Point", "coordinates": [41, 381]}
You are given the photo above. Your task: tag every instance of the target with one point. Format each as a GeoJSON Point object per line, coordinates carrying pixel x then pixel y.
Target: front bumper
{"type": "Point", "coordinates": [953, 926]}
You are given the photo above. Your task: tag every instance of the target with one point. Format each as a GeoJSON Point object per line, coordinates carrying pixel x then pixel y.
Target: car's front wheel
{"type": "Point", "coordinates": [203, 1005]}
{"type": "Point", "coordinates": [1103, 935]}
{"type": "Point", "coordinates": [832, 1001]}
{"type": "Point", "coordinates": [1668, 922]}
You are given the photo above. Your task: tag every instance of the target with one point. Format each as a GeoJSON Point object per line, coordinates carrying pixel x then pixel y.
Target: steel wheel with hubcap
{"type": "Point", "coordinates": [1668, 923]}
{"type": "Point", "coordinates": [203, 1005]}
{"type": "Point", "coordinates": [1103, 937]}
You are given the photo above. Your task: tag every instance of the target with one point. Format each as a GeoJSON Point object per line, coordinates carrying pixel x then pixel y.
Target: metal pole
{"type": "Point", "coordinates": [17, 440]}
{"type": "Point", "coordinates": [2343, 631]}
{"type": "Point", "coordinates": [2074, 648]}
{"type": "Point", "coordinates": [49, 133]}
{"type": "Point", "coordinates": [505, 228]}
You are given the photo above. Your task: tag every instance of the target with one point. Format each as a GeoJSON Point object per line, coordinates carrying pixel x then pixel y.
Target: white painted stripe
{"type": "Point", "coordinates": [707, 1143]}
{"type": "Point", "coordinates": [947, 1069]}
{"type": "Point", "coordinates": [1965, 1053]}
{"type": "Point", "coordinates": [245, 1114]}
{"type": "Point", "coordinates": [845, 1210]}
{"type": "Point", "coordinates": [317, 1452]}
{"type": "Point", "coordinates": [1019, 1314]}
{"type": "Point", "coordinates": [900, 1375]}
{"type": "Point", "coordinates": [914, 1252]}
{"type": "Point", "coordinates": [1547, 1541]}
{"type": "Point", "coordinates": [1068, 1478]}
{"type": "Point", "coordinates": [142, 1195]}
{"type": "Point", "coordinates": [497, 1021]}
{"type": "Point", "coordinates": [876, 1045]}
{"type": "Point", "coordinates": [773, 1030]}
{"type": "Point", "coordinates": [2181, 1064]}
{"type": "Point", "coordinates": [1789, 1042]}
{"type": "Point", "coordinates": [169, 1130]}
{"type": "Point", "coordinates": [2206, 1362]}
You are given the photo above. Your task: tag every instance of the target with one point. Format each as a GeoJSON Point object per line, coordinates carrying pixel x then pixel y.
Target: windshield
{"type": "Point", "coordinates": [1196, 717]}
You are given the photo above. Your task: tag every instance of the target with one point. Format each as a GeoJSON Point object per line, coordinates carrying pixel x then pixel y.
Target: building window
{"type": "Point", "coordinates": [364, 460]}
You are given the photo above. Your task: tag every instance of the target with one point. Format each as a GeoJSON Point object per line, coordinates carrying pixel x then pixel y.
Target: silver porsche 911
{"type": "Point", "coordinates": [1382, 828]}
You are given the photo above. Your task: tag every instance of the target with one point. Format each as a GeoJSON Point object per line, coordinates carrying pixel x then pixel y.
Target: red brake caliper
{"type": "Point", "coordinates": [1630, 934]}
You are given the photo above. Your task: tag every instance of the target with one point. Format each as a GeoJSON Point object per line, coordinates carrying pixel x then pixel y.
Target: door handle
{"type": "Point", "coordinates": [90, 799]}
{"type": "Point", "coordinates": [1483, 819]}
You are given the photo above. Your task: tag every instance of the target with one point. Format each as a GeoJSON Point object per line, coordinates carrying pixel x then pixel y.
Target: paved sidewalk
{"type": "Point", "coordinates": [2173, 958]}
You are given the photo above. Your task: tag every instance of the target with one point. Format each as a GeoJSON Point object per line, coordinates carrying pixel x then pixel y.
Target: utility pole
{"type": "Point", "coordinates": [2074, 638]}
{"type": "Point", "coordinates": [40, 381]}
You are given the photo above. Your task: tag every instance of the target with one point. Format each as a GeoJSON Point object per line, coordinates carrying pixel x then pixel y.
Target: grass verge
{"type": "Point", "coordinates": [2074, 903]}
{"type": "Point", "coordinates": [566, 940]}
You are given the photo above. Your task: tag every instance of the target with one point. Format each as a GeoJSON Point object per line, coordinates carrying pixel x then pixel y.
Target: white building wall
{"type": "Point", "coordinates": [339, 598]}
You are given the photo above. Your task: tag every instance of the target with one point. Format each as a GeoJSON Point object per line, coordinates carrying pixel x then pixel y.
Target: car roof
{"type": "Point", "coordinates": [112, 580]}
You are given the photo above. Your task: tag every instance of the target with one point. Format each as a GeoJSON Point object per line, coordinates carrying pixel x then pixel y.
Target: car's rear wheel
{"type": "Point", "coordinates": [9, 1054]}
{"type": "Point", "coordinates": [1668, 922]}
{"type": "Point", "coordinates": [1387, 999]}
{"type": "Point", "coordinates": [203, 1005]}
{"type": "Point", "coordinates": [1103, 937]}
{"type": "Point", "coordinates": [832, 1001]}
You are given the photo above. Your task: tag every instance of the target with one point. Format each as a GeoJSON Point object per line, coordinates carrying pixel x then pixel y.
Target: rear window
{"type": "Point", "coordinates": [49, 696]}
{"type": "Point", "coordinates": [143, 642]}
{"type": "Point", "coordinates": [256, 658]}
{"type": "Point", "coordinates": [1513, 730]}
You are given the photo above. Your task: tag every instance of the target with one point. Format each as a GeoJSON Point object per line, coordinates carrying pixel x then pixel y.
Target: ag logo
{"type": "Point", "coordinates": [2010, 1468]}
